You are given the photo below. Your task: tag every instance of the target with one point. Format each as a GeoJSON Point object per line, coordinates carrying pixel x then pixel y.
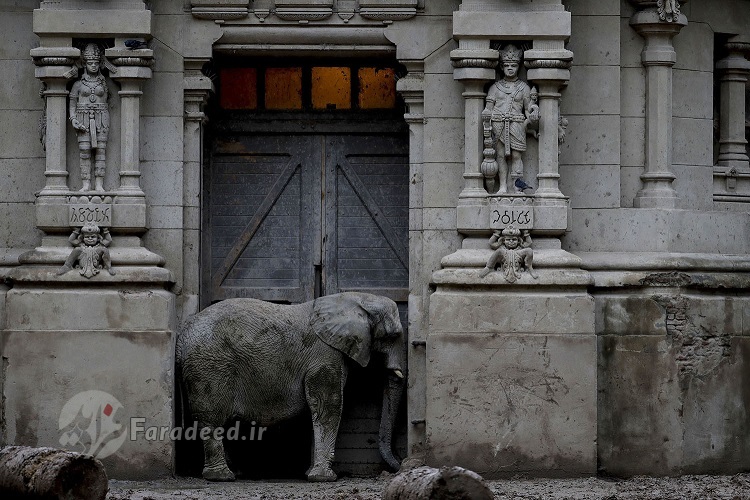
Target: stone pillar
{"type": "Point", "coordinates": [55, 66]}
{"type": "Point", "coordinates": [411, 88]}
{"type": "Point", "coordinates": [474, 64]}
{"type": "Point", "coordinates": [658, 57]}
{"type": "Point", "coordinates": [549, 69]}
{"type": "Point", "coordinates": [196, 90]}
{"type": "Point", "coordinates": [133, 67]}
{"type": "Point", "coordinates": [734, 70]}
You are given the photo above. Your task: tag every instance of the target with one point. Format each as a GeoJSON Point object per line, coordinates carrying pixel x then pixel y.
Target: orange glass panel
{"type": "Point", "coordinates": [377, 88]}
{"type": "Point", "coordinates": [331, 88]}
{"type": "Point", "coordinates": [284, 88]}
{"type": "Point", "coordinates": [238, 88]}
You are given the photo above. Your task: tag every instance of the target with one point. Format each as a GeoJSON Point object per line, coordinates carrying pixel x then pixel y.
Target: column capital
{"type": "Point", "coordinates": [411, 88]}
{"type": "Point", "coordinates": [736, 62]}
{"type": "Point", "coordinates": [649, 22]}
{"type": "Point", "coordinates": [474, 63]}
{"type": "Point", "coordinates": [55, 63]}
{"type": "Point", "coordinates": [130, 64]}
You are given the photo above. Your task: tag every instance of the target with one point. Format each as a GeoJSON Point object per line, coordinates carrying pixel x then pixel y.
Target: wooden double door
{"type": "Point", "coordinates": [293, 217]}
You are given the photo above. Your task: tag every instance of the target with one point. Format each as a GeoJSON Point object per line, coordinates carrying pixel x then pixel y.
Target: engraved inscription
{"type": "Point", "coordinates": [520, 218]}
{"type": "Point", "coordinates": [91, 213]}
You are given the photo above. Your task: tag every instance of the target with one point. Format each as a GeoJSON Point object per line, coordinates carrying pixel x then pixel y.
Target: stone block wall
{"type": "Point", "coordinates": [21, 151]}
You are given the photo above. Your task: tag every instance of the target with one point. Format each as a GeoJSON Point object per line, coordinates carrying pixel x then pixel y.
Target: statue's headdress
{"type": "Point", "coordinates": [511, 53]}
{"type": "Point", "coordinates": [92, 52]}
{"type": "Point", "coordinates": [90, 228]}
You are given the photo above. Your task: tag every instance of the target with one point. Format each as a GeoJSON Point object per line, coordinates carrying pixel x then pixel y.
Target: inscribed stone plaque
{"type": "Point", "coordinates": [96, 213]}
{"type": "Point", "coordinates": [516, 211]}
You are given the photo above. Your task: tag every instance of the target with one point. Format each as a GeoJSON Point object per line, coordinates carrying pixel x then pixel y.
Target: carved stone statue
{"type": "Point", "coordinates": [267, 362]}
{"type": "Point", "coordinates": [512, 252]}
{"type": "Point", "coordinates": [90, 253]}
{"type": "Point", "coordinates": [90, 117]}
{"type": "Point", "coordinates": [510, 108]}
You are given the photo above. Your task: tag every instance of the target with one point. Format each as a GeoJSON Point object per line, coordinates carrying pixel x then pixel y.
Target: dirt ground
{"type": "Point", "coordinates": [682, 488]}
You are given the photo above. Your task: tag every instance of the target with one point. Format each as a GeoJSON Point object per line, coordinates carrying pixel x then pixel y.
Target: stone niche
{"type": "Point", "coordinates": [511, 352]}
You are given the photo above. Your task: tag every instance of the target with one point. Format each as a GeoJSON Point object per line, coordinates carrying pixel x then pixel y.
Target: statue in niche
{"type": "Point", "coordinates": [91, 253]}
{"type": "Point", "coordinates": [513, 252]}
{"type": "Point", "coordinates": [510, 108]}
{"type": "Point", "coordinates": [90, 117]}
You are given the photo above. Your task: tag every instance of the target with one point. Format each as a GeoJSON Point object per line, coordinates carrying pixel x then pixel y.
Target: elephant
{"type": "Point", "coordinates": [258, 361]}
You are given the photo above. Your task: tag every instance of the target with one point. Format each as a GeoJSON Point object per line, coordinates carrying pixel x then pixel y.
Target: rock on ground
{"type": "Point", "coordinates": [736, 487]}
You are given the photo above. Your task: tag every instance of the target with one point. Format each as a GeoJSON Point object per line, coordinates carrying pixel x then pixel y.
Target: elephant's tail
{"type": "Point", "coordinates": [181, 403]}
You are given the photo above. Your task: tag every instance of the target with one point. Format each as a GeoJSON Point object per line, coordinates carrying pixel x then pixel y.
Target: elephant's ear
{"type": "Point", "coordinates": [340, 322]}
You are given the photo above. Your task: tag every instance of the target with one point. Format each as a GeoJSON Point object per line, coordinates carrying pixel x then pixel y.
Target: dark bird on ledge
{"type": "Point", "coordinates": [135, 44]}
{"type": "Point", "coordinates": [521, 185]}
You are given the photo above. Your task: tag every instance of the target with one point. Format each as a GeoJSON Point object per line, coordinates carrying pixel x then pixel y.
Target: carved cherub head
{"type": "Point", "coordinates": [90, 234]}
{"type": "Point", "coordinates": [511, 237]}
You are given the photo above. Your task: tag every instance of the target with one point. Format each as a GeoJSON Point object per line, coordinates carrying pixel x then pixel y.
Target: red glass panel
{"type": "Point", "coordinates": [238, 88]}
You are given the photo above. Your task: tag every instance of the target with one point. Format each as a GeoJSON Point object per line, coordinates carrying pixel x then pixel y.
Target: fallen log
{"type": "Point", "coordinates": [446, 483]}
{"type": "Point", "coordinates": [47, 473]}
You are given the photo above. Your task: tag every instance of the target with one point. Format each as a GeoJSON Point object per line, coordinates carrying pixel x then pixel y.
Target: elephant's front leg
{"type": "Point", "coordinates": [215, 466]}
{"type": "Point", "coordinates": [324, 389]}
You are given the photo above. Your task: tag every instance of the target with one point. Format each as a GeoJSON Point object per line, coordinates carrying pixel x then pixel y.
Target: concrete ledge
{"type": "Point", "coordinates": [90, 308]}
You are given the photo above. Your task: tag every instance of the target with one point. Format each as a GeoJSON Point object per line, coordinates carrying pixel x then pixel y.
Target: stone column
{"type": "Point", "coordinates": [474, 64]}
{"type": "Point", "coordinates": [658, 57]}
{"type": "Point", "coordinates": [196, 90]}
{"type": "Point", "coordinates": [133, 67]}
{"type": "Point", "coordinates": [734, 70]}
{"type": "Point", "coordinates": [550, 70]}
{"type": "Point", "coordinates": [411, 88]}
{"type": "Point", "coordinates": [55, 66]}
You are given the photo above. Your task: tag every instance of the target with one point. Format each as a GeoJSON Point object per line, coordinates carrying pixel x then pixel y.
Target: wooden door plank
{"type": "Point", "coordinates": [254, 223]}
{"type": "Point", "coordinates": [375, 211]}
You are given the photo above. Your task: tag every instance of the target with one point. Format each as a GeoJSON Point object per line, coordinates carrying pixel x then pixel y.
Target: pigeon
{"type": "Point", "coordinates": [521, 185]}
{"type": "Point", "coordinates": [135, 44]}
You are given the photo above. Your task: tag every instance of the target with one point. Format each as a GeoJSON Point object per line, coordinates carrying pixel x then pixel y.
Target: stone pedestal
{"type": "Point", "coordinates": [65, 335]}
{"type": "Point", "coordinates": [511, 374]}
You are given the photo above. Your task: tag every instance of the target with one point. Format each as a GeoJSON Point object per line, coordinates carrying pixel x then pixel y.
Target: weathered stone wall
{"type": "Point", "coordinates": [673, 396]}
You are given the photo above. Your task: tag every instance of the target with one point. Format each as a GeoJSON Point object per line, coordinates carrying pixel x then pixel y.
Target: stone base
{"type": "Point", "coordinates": [117, 338]}
{"type": "Point", "coordinates": [511, 375]}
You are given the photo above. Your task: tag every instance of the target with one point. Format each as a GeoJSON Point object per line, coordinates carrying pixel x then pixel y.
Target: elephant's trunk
{"type": "Point", "coordinates": [392, 392]}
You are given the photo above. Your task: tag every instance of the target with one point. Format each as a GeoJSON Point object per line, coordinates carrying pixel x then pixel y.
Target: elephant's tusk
{"type": "Point", "coordinates": [398, 373]}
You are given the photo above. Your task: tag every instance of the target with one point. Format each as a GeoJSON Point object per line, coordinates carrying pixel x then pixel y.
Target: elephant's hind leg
{"type": "Point", "coordinates": [215, 466]}
{"type": "Point", "coordinates": [324, 390]}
